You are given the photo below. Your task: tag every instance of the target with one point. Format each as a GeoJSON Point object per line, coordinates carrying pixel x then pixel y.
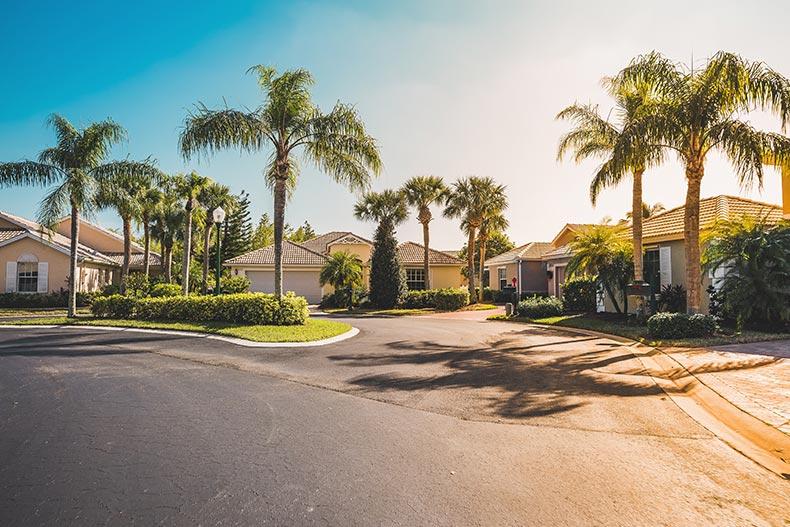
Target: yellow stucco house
{"type": "Point", "coordinates": [33, 260]}
{"type": "Point", "coordinates": [302, 264]}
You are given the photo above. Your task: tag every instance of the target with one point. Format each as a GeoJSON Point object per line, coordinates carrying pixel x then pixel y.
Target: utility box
{"type": "Point", "coordinates": [509, 309]}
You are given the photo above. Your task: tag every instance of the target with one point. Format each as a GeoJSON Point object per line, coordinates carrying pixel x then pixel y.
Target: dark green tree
{"type": "Point", "coordinates": [263, 235]}
{"type": "Point", "coordinates": [237, 238]}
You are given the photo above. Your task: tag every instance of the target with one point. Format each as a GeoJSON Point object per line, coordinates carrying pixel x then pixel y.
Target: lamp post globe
{"type": "Point", "coordinates": [218, 217]}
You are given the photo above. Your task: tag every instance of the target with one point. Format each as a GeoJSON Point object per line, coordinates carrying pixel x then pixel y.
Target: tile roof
{"type": "Point", "coordinates": [293, 254]}
{"type": "Point", "coordinates": [8, 234]}
{"type": "Point", "coordinates": [136, 259]}
{"type": "Point", "coordinates": [560, 252]}
{"type": "Point", "coordinates": [711, 210]}
{"type": "Point", "coordinates": [528, 251]}
{"type": "Point", "coordinates": [411, 253]}
{"type": "Point", "coordinates": [320, 244]}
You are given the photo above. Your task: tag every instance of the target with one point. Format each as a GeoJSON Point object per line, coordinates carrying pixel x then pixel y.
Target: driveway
{"type": "Point", "coordinates": [418, 421]}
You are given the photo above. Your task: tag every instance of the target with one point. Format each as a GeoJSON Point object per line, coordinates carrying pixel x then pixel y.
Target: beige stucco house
{"type": "Point", "coordinates": [302, 264]}
{"type": "Point", "coordinates": [33, 260]}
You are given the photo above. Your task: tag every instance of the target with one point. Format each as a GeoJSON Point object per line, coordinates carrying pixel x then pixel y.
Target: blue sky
{"type": "Point", "coordinates": [450, 88]}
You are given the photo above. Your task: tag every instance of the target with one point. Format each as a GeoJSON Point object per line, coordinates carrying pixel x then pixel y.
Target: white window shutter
{"type": "Point", "coordinates": [10, 277]}
{"type": "Point", "coordinates": [43, 277]}
{"type": "Point", "coordinates": [665, 265]}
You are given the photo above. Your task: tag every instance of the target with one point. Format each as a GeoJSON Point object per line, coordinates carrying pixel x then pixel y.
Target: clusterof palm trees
{"type": "Point", "coordinates": [287, 122]}
{"type": "Point", "coordinates": [421, 192]}
{"type": "Point", "coordinates": [77, 166]}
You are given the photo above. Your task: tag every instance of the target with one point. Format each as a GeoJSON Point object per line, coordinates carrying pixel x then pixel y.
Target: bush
{"type": "Point", "coordinates": [137, 285]}
{"type": "Point", "coordinates": [672, 298]}
{"type": "Point", "coordinates": [229, 285]}
{"type": "Point", "coordinates": [160, 290]}
{"type": "Point", "coordinates": [539, 307]}
{"type": "Point", "coordinates": [419, 299]}
{"type": "Point", "coordinates": [681, 325]}
{"type": "Point", "coordinates": [110, 290]}
{"type": "Point", "coordinates": [339, 298]}
{"type": "Point", "coordinates": [451, 299]}
{"type": "Point", "coordinates": [44, 300]}
{"type": "Point", "coordinates": [242, 308]}
{"type": "Point", "coordinates": [579, 296]}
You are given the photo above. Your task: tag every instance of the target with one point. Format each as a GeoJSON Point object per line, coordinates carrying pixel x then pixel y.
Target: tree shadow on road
{"type": "Point", "coordinates": [64, 344]}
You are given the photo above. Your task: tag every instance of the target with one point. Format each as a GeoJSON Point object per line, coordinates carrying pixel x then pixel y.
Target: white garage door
{"type": "Point", "coordinates": [303, 283]}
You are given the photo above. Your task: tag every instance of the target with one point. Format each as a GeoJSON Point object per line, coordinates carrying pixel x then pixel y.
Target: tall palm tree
{"type": "Point", "coordinates": [700, 110]}
{"type": "Point", "coordinates": [473, 199]}
{"type": "Point", "coordinates": [387, 278]}
{"type": "Point", "coordinates": [123, 192]}
{"type": "Point", "coordinates": [421, 192]}
{"type": "Point", "coordinates": [169, 218]}
{"type": "Point", "coordinates": [189, 188]}
{"type": "Point", "coordinates": [343, 270]}
{"type": "Point", "coordinates": [150, 200]}
{"type": "Point", "coordinates": [212, 198]}
{"type": "Point", "coordinates": [624, 153]}
{"type": "Point", "coordinates": [287, 121]}
{"type": "Point", "coordinates": [492, 223]}
{"type": "Point", "coordinates": [77, 165]}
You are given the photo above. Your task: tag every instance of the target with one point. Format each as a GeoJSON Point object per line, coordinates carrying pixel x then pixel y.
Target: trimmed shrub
{"type": "Point", "coordinates": [44, 300]}
{"type": "Point", "coordinates": [578, 296]}
{"type": "Point", "coordinates": [420, 299]}
{"type": "Point", "coordinates": [165, 290]}
{"type": "Point", "coordinates": [681, 325]}
{"type": "Point", "coordinates": [110, 289]}
{"type": "Point", "coordinates": [451, 299]}
{"type": "Point", "coordinates": [539, 307]}
{"type": "Point", "coordinates": [242, 308]}
{"type": "Point", "coordinates": [137, 285]}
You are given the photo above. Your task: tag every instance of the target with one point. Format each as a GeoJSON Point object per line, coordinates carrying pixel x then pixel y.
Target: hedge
{"type": "Point", "coordinates": [579, 296]}
{"type": "Point", "coordinates": [242, 308]}
{"type": "Point", "coordinates": [442, 299]}
{"type": "Point", "coordinates": [160, 290]}
{"type": "Point", "coordinates": [539, 307]}
{"type": "Point", "coordinates": [681, 325]}
{"type": "Point", "coordinates": [419, 299]}
{"type": "Point", "coordinates": [44, 300]}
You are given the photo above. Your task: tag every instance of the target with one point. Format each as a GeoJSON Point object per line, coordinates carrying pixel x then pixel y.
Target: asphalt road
{"type": "Point", "coordinates": [416, 421]}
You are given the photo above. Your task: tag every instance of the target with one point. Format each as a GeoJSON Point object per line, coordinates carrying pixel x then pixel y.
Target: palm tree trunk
{"type": "Point", "coordinates": [127, 252]}
{"type": "Point", "coordinates": [636, 203]}
{"type": "Point", "coordinates": [279, 222]}
{"type": "Point", "coordinates": [147, 246]}
{"type": "Point", "coordinates": [426, 239]}
{"type": "Point", "coordinates": [206, 248]}
{"type": "Point", "coordinates": [483, 243]}
{"type": "Point", "coordinates": [691, 239]}
{"type": "Point", "coordinates": [75, 235]}
{"type": "Point", "coordinates": [168, 250]}
{"type": "Point", "coordinates": [470, 265]}
{"type": "Point", "coordinates": [187, 249]}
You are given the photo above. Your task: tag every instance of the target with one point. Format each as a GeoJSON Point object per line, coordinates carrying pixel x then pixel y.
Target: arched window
{"type": "Point", "coordinates": [27, 273]}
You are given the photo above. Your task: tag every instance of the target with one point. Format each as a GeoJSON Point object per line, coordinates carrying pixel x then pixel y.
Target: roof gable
{"type": "Point", "coordinates": [411, 253]}
{"type": "Point", "coordinates": [568, 233]}
{"type": "Point", "coordinates": [293, 254]}
{"type": "Point", "coordinates": [320, 244]}
{"type": "Point", "coordinates": [528, 251]}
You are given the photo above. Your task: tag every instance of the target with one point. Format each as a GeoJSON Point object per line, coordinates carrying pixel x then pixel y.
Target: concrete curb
{"type": "Point", "coordinates": [231, 340]}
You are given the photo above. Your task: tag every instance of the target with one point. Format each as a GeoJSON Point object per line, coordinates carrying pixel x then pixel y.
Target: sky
{"type": "Point", "coordinates": [449, 88]}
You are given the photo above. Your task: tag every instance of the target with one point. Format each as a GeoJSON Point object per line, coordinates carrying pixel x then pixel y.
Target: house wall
{"type": "Point", "coordinates": [533, 277]}
{"type": "Point", "coordinates": [552, 265]}
{"type": "Point", "coordinates": [444, 276]}
{"type": "Point", "coordinates": [58, 271]}
{"type": "Point", "coordinates": [93, 238]}
{"type": "Point", "coordinates": [4, 224]}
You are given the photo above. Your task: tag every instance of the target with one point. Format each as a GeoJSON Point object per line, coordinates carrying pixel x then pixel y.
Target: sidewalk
{"type": "Point", "coordinates": [754, 377]}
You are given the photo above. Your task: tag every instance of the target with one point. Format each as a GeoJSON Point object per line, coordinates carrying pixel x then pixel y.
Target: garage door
{"type": "Point", "coordinates": [303, 283]}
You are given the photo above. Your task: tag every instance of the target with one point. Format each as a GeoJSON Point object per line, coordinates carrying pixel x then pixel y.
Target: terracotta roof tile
{"type": "Point", "coordinates": [8, 234]}
{"type": "Point", "coordinates": [411, 253]}
{"type": "Point", "coordinates": [293, 254]}
{"type": "Point", "coordinates": [529, 251]}
{"type": "Point", "coordinates": [136, 259]}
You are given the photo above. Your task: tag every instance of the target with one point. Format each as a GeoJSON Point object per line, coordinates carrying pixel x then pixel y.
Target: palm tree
{"type": "Point", "coordinates": [387, 280]}
{"type": "Point", "coordinates": [421, 192]}
{"type": "Point", "coordinates": [288, 121]}
{"type": "Point", "coordinates": [473, 199]}
{"type": "Point", "coordinates": [491, 224]}
{"type": "Point", "coordinates": [342, 270]}
{"type": "Point", "coordinates": [123, 193]}
{"type": "Point", "coordinates": [624, 153]}
{"type": "Point", "coordinates": [213, 197]}
{"type": "Point", "coordinates": [599, 252]}
{"type": "Point", "coordinates": [150, 200]}
{"type": "Point", "coordinates": [697, 111]}
{"type": "Point", "coordinates": [77, 166]}
{"type": "Point", "coordinates": [169, 218]}
{"type": "Point", "coordinates": [189, 188]}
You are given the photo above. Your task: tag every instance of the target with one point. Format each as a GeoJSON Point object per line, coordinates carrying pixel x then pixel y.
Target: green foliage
{"type": "Point", "coordinates": [419, 299]}
{"type": "Point", "coordinates": [160, 290]}
{"type": "Point", "coordinates": [244, 308]}
{"type": "Point", "coordinates": [579, 295]}
{"type": "Point", "coordinates": [343, 271]}
{"type": "Point", "coordinates": [681, 325]}
{"type": "Point", "coordinates": [672, 298]}
{"type": "Point", "coordinates": [451, 299]}
{"type": "Point", "coordinates": [44, 300]}
{"type": "Point", "coordinates": [137, 285]}
{"type": "Point", "coordinates": [340, 298]}
{"type": "Point", "coordinates": [539, 307]}
{"type": "Point", "coordinates": [110, 290]}
{"type": "Point", "coordinates": [756, 257]}
{"type": "Point", "coordinates": [497, 243]}
{"type": "Point", "coordinates": [302, 234]}
{"type": "Point", "coordinates": [237, 238]}
{"type": "Point", "coordinates": [232, 285]}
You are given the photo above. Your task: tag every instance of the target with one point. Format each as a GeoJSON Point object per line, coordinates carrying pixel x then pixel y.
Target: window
{"type": "Point", "coordinates": [652, 269]}
{"type": "Point", "coordinates": [502, 275]}
{"type": "Point", "coordinates": [415, 279]}
{"type": "Point", "coordinates": [27, 277]}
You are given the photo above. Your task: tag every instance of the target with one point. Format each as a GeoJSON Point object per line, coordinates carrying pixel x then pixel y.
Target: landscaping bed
{"type": "Point", "coordinates": [617, 325]}
{"type": "Point", "coordinates": [311, 330]}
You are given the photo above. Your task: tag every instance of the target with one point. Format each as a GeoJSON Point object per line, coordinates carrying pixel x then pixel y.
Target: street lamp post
{"type": "Point", "coordinates": [219, 217]}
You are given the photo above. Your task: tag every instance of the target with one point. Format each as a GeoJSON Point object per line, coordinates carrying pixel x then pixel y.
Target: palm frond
{"type": "Point", "coordinates": [209, 131]}
{"type": "Point", "coordinates": [29, 173]}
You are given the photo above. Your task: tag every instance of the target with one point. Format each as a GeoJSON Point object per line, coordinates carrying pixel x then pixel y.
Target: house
{"type": "Point", "coordinates": [302, 263]}
{"type": "Point", "coordinates": [523, 264]}
{"type": "Point", "coordinates": [557, 258]}
{"type": "Point", "coordinates": [37, 261]}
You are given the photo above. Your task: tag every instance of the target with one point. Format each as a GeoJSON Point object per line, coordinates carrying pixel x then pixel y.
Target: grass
{"type": "Point", "coordinates": [314, 329]}
{"type": "Point", "coordinates": [33, 311]}
{"type": "Point", "coordinates": [613, 326]}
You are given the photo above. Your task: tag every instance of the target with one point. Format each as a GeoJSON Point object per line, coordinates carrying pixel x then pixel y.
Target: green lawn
{"type": "Point", "coordinates": [314, 329]}
{"type": "Point", "coordinates": [639, 333]}
{"type": "Point", "coordinates": [29, 311]}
